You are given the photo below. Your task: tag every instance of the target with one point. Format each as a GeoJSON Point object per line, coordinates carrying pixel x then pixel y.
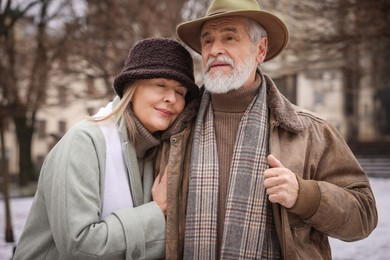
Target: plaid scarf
{"type": "Point", "coordinates": [248, 217]}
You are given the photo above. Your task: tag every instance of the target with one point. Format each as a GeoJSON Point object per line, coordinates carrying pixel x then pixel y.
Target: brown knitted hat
{"type": "Point", "coordinates": [158, 58]}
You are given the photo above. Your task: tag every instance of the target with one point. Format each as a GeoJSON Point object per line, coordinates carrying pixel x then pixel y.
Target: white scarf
{"type": "Point", "coordinates": [117, 193]}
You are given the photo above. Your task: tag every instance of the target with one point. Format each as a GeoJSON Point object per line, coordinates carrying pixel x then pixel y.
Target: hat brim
{"type": "Point", "coordinates": [189, 32]}
{"type": "Point", "coordinates": [125, 78]}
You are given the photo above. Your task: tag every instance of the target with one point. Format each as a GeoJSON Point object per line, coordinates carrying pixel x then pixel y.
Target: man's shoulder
{"type": "Point", "coordinates": [306, 114]}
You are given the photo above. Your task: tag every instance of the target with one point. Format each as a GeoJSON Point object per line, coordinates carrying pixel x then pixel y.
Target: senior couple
{"type": "Point", "coordinates": [231, 170]}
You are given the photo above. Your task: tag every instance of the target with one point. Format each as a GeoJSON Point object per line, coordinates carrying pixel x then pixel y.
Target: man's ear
{"type": "Point", "coordinates": [261, 48]}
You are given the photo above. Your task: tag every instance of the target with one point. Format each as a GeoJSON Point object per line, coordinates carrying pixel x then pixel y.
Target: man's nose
{"type": "Point", "coordinates": [217, 48]}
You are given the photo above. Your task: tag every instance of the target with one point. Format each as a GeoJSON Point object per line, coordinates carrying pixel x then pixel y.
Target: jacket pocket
{"type": "Point", "coordinates": [309, 243]}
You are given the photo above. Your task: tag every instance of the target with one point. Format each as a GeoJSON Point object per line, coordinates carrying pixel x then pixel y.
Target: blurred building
{"type": "Point", "coordinates": [61, 111]}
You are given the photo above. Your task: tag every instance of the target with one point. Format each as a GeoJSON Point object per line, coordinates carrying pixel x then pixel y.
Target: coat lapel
{"type": "Point", "coordinates": [133, 172]}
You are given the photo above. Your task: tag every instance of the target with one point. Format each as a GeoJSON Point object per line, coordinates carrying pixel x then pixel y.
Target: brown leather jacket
{"type": "Point", "coordinates": [175, 154]}
{"type": "Point", "coordinates": [335, 198]}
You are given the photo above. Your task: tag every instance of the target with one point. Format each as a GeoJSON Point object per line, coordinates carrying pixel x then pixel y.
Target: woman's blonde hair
{"type": "Point", "coordinates": [124, 110]}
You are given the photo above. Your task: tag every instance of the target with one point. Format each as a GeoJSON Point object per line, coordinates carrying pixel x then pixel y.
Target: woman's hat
{"type": "Point", "coordinates": [158, 58]}
{"type": "Point", "coordinates": [189, 32]}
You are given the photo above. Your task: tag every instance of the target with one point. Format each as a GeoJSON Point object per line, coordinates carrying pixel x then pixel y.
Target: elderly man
{"type": "Point", "coordinates": [268, 180]}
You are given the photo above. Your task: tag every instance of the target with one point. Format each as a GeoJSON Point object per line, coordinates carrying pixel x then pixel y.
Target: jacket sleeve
{"type": "Point", "coordinates": [337, 198]}
{"type": "Point", "coordinates": [74, 205]}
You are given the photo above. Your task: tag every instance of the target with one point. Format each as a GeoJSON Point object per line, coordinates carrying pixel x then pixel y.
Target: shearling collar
{"type": "Point", "coordinates": [283, 112]}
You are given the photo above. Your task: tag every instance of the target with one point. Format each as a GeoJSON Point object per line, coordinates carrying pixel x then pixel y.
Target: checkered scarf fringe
{"type": "Point", "coordinates": [246, 231]}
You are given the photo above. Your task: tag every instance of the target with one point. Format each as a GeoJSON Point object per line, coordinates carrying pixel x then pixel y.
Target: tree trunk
{"type": "Point", "coordinates": [9, 235]}
{"type": "Point", "coordinates": [24, 133]}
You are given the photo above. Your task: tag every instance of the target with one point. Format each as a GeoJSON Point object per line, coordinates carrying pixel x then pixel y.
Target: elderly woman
{"type": "Point", "coordinates": [98, 196]}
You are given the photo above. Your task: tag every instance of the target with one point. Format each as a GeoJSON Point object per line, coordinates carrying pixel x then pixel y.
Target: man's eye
{"type": "Point", "coordinates": [205, 42]}
{"type": "Point", "coordinates": [229, 38]}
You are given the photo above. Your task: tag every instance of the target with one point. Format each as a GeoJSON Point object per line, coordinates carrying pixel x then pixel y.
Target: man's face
{"type": "Point", "coordinates": [229, 57]}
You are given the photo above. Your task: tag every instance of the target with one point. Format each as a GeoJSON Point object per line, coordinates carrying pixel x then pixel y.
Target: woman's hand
{"type": "Point", "coordinates": [159, 191]}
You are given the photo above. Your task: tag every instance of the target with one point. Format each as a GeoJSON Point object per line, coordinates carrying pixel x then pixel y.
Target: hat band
{"type": "Point", "coordinates": [220, 11]}
{"type": "Point", "coordinates": [226, 10]}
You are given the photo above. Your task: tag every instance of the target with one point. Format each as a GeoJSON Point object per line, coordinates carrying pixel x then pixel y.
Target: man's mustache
{"type": "Point", "coordinates": [222, 59]}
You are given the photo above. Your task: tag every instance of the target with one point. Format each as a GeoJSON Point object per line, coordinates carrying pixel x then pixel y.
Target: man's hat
{"type": "Point", "coordinates": [189, 32]}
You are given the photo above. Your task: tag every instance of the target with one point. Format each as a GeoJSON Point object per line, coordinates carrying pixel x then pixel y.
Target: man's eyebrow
{"type": "Point", "coordinates": [229, 29]}
{"type": "Point", "coordinates": [203, 35]}
{"type": "Point", "coordinates": [224, 29]}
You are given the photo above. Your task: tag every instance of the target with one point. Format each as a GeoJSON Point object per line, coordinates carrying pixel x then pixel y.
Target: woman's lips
{"type": "Point", "coordinates": [164, 112]}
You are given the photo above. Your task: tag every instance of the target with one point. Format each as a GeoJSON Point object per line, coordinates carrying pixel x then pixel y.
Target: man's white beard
{"type": "Point", "coordinates": [219, 83]}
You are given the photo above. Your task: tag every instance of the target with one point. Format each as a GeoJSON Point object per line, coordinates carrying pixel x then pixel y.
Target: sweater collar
{"type": "Point", "coordinates": [227, 102]}
{"type": "Point", "coordinates": [144, 139]}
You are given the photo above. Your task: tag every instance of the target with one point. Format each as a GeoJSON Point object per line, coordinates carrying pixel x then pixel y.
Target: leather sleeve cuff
{"type": "Point", "coordinates": [309, 198]}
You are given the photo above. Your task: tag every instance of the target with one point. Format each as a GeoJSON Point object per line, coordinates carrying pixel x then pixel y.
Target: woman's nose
{"type": "Point", "coordinates": [169, 97]}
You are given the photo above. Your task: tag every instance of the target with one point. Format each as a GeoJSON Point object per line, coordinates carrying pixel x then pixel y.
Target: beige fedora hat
{"type": "Point", "coordinates": [189, 32]}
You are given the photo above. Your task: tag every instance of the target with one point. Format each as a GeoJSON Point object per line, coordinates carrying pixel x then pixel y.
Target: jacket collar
{"type": "Point", "coordinates": [283, 112]}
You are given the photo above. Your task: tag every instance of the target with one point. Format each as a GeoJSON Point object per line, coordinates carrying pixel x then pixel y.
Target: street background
{"type": "Point", "coordinates": [375, 247]}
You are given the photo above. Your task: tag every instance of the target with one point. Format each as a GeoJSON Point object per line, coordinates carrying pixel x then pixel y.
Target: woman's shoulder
{"type": "Point", "coordinates": [85, 127]}
{"type": "Point", "coordinates": [83, 133]}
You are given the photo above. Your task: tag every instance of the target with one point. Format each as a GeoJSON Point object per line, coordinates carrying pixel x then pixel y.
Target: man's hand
{"type": "Point", "coordinates": [281, 184]}
{"type": "Point", "coordinates": [159, 191]}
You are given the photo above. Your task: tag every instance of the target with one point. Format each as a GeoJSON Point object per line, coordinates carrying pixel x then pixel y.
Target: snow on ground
{"type": "Point", "coordinates": [19, 211]}
{"type": "Point", "coordinates": [375, 247]}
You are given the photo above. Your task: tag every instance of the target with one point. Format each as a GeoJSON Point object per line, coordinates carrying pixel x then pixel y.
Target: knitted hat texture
{"type": "Point", "coordinates": [158, 58]}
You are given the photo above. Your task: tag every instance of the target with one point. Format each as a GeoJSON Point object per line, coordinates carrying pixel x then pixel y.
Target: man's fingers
{"type": "Point", "coordinates": [273, 162]}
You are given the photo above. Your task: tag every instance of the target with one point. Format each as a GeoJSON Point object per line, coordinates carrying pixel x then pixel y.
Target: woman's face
{"type": "Point", "coordinates": [158, 102]}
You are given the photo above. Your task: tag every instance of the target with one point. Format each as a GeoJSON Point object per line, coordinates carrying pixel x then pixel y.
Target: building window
{"type": "Point", "coordinates": [61, 127]}
{"type": "Point", "coordinates": [91, 111]}
{"type": "Point", "coordinates": [287, 85]}
{"type": "Point", "coordinates": [6, 124]}
{"type": "Point", "coordinates": [91, 88]}
{"type": "Point", "coordinates": [39, 162]}
{"type": "Point", "coordinates": [41, 127]}
{"type": "Point", "coordinates": [62, 94]}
